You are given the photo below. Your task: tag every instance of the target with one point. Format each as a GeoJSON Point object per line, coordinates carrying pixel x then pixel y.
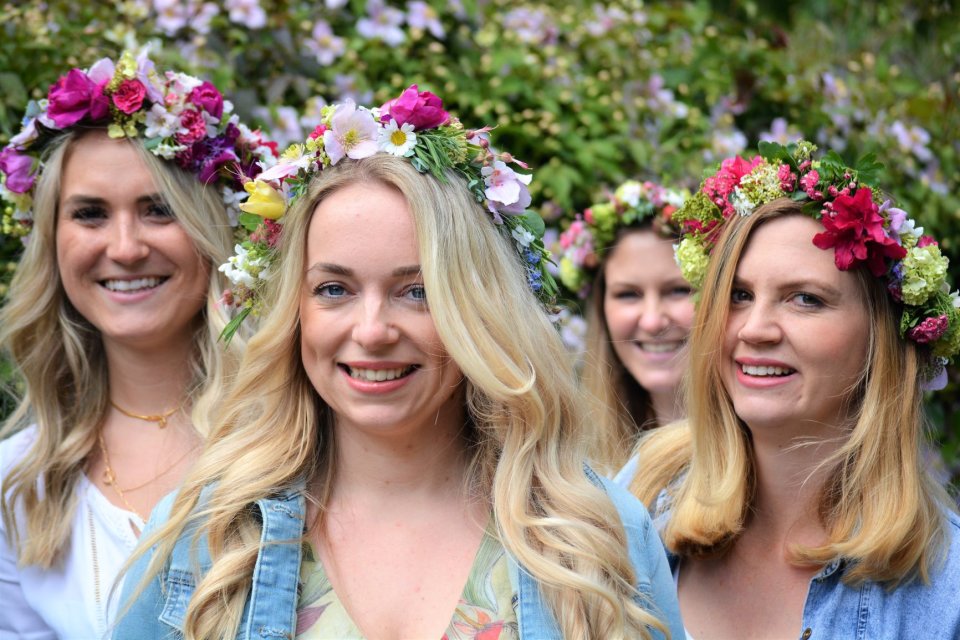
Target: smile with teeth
{"type": "Point", "coordinates": [138, 284]}
{"type": "Point", "coordinates": [379, 375]}
{"type": "Point", "coordinates": [660, 347]}
{"type": "Point", "coordinates": [751, 370]}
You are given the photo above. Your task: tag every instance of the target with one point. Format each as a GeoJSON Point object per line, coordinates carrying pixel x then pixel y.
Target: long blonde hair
{"type": "Point", "coordinates": [525, 457]}
{"type": "Point", "coordinates": [60, 356]}
{"type": "Point", "coordinates": [706, 464]}
{"type": "Point", "coordinates": [621, 407]}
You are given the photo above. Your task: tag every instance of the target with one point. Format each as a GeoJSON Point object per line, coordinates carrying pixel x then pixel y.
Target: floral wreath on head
{"type": "Point", "coordinates": [860, 226]}
{"type": "Point", "coordinates": [181, 118]}
{"type": "Point", "coordinates": [590, 235]}
{"type": "Point", "coordinates": [413, 126]}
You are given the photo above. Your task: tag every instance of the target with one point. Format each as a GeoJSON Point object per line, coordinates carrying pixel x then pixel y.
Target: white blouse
{"type": "Point", "coordinates": [74, 599]}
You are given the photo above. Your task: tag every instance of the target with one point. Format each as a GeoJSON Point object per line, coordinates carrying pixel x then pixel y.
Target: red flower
{"type": "Point", "coordinates": [318, 132]}
{"type": "Point", "coordinates": [855, 229]}
{"type": "Point", "coordinates": [129, 96]}
{"type": "Point", "coordinates": [422, 109]}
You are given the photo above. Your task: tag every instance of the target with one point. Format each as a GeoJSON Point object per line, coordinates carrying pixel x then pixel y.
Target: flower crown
{"type": "Point", "coordinates": [413, 126]}
{"type": "Point", "coordinates": [181, 118]}
{"type": "Point", "coordinates": [590, 235]}
{"type": "Point", "coordinates": [859, 225]}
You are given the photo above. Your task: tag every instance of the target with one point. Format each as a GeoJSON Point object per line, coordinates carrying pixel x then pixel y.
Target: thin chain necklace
{"type": "Point", "coordinates": [110, 476]}
{"type": "Point", "coordinates": [160, 419]}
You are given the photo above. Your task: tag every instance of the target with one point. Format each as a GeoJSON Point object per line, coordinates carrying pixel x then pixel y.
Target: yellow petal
{"type": "Point", "coordinates": [264, 200]}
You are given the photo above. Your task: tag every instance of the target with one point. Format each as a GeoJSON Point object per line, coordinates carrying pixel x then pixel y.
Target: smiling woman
{"type": "Point", "coordinates": [406, 410]}
{"type": "Point", "coordinates": [112, 321]}
{"type": "Point", "coordinates": [795, 499]}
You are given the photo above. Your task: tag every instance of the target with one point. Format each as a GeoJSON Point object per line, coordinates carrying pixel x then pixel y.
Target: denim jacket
{"type": "Point", "coordinates": [870, 611]}
{"type": "Point", "coordinates": [270, 611]}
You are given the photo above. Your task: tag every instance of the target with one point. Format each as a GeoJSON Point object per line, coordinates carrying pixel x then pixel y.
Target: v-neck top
{"type": "Point", "coordinates": [485, 610]}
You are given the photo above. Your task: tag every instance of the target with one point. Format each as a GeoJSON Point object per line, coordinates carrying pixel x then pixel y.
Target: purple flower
{"type": "Point", "coordinates": [382, 23]}
{"type": "Point", "coordinates": [352, 133]}
{"type": "Point", "coordinates": [896, 216]}
{"type": "Point", "coordinates": [780, 132]}
{"type": "Point", "coordinates": [506, 190]}
{"type": "Point", "coordinates": [248, 13]}
{"type": "Point", "coordinates": [75, 97]}
{"type": "Point", "coordinates": [325, 46]}
{"type": "Point", "coordinates": [421, 15]}
{"type": "Point", "coordinates": [208, 98]}
{"type": "Point", "coordinates": [17, 169]}
{"type": "Point", "coordinates": [422, 109]}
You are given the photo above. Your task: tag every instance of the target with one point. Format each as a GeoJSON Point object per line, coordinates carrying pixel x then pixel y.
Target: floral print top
{"type": "Point", "coordinates": [485, 610]}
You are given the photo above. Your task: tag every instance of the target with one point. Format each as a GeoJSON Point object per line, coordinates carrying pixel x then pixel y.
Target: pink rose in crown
{"type": "Point", "coordinates": [422, 109]}
{"type": "Point", "coordinates": [17, 169]}
{"type": "Point", "coordinates": [930, 330]}
{"type": "Point", "coordinates": [719, 187]}
{"type": "Point", "coordinates": [855, 230]}
{"type": "Point", "coordinates": [192, 127]}
{"type": "Point", "coordinates": [208, 98]}
{"type": "Point", "coordinates": [75, 97]}
{"type": "Point", "coordinates": [129, 96]}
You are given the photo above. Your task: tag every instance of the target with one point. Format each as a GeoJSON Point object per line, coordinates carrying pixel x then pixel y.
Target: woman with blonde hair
{"type": "Point", "coordinates": [618, 256]}
{"type": "Point", "coordinates": [400, 456]}
{"type": "Point", "coordinates": [795, 500]}
{"type": "Point", "coordinates": [119, 184]}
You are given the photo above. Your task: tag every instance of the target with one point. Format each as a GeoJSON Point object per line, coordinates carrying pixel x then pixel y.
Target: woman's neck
{"type": "Point", "coordinates": [666, 407]}
{"type": "Point", "coordinates": [148, 381]}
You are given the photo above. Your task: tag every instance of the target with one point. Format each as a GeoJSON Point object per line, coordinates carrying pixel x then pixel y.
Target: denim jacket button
{"type": "Point", "coordinates": [806, 633]}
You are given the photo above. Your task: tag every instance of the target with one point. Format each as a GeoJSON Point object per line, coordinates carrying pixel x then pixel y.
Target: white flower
{"type": "Point", "coordinates": [674, 198]}
{"type": "Point", "coordinates": [167, 151]}
{"type": "Point", "coordinates": [630, 193]}
{"type": "Point", "coordinates": [241, 269]}
{"type": "Point", "coordinates": [741, 203]}
{"type": "Point", "coordinates": [399, 141]}
{"type": "Point", "coordinates": [161, 123]}
{"type": "Point", "coordinates": [522, 236]}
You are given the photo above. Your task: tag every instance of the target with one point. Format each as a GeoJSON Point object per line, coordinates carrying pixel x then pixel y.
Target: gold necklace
{"type": "Point", "coordinates": [160, 419]}
{"type": "Point", "coordinates": [110, 476]}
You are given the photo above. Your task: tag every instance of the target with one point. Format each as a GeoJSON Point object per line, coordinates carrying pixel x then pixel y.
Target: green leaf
{"type": "Point", "coordinates": [534, 223]}
{"type": "Point", "coordinates": [234, 325]}
{"type": "Point", "coordinates": [868, 169]}
{"type": "Point", "coordinates": [249, 221]}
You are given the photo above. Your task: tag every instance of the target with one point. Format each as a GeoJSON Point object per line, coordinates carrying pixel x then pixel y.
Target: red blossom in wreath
{"type": "Point", "coordinates": [854, 228]}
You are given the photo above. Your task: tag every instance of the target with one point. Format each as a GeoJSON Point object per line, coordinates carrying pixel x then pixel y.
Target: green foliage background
{"type": "Point", "coordinates": [588, 94]}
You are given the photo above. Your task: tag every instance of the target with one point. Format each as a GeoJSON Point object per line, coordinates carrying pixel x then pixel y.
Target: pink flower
{"type": "Point", "coordinates": [809, 184]}
{"type": "Point", "coordinates": [423, 109]}
{"type": "Point", "coordinates": [75, 97]}
{"type": "Point", "coordinates": [930, 330]}
{"type": "Point", "coordinates": [718, 187]}
{"type": "Point", "coordinates": [854, 228]}
{"type": "Point", "coordinates": [17, 169]}
{"type": "Point", "coordinates": [129, 96]}
{"type": "Point", "coordinates": [318, 132]}
{"type": "Point", "coordinates": [506, 190]}
{"type": "Point", "coordinates": [352, 133]}
{"type": "Point", "coordinates": [926, 241]}
{"type": "Point", "coordinates": [192, 127]}
{"type": "Point", "coordinates": [208, 98]}
{"type": "Point", "coordinates": [788, 179]}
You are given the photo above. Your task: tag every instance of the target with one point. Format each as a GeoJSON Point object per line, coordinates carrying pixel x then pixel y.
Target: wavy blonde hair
{"type": "Point", "coordinates": [525, 452]}
{"type": "Point", "coordinates": [60, 358]}
{"type": "Point", "coordinates": [706, 464]}
{"type": "Point", "coordinates": [621, 407]}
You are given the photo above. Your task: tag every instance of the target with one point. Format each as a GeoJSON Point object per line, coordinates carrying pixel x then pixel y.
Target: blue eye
{"type": "Point", "coordinates": [808, 300]}
{"type": "Point", "coordinates": [417, 292]}
{"type": "Point", "coordinates": [331, 290]}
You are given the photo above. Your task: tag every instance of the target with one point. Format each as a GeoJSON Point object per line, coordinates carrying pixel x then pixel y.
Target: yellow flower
{"type": "Point", "coordinates": [264, 200]}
